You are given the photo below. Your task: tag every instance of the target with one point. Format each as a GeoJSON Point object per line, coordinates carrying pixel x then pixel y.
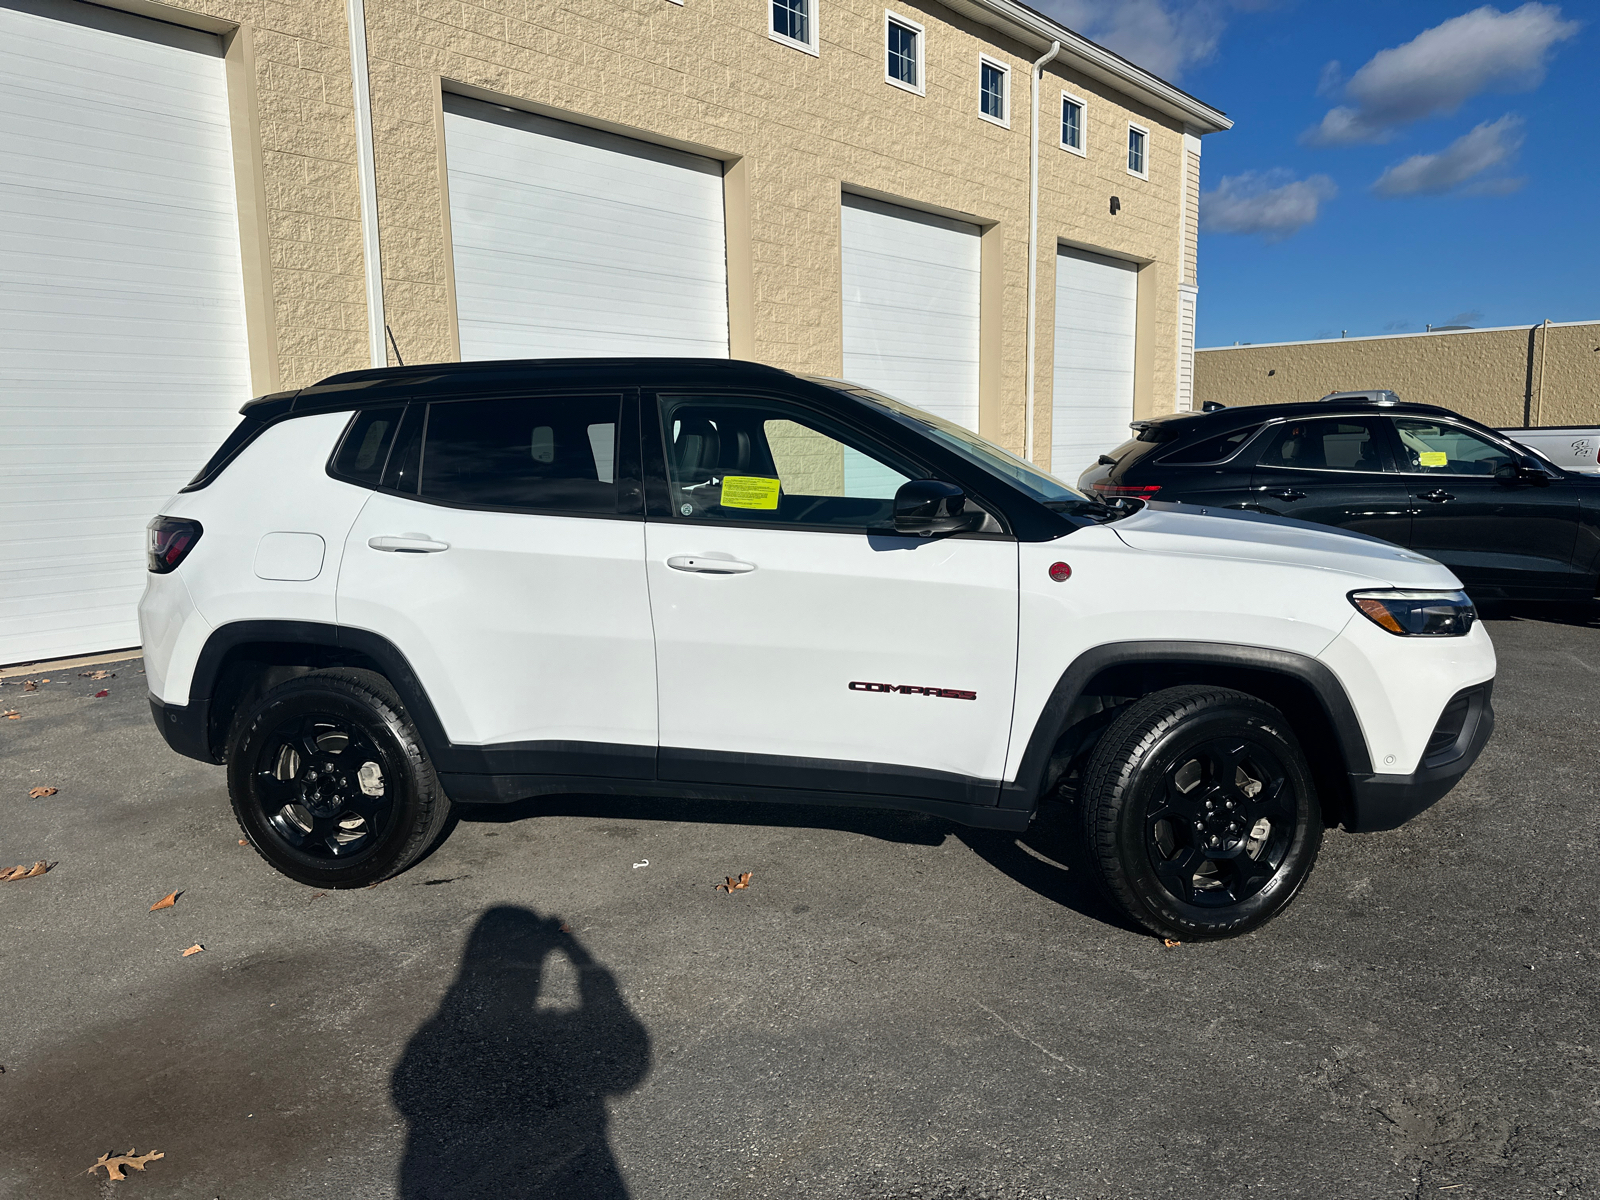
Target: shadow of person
{"type": "Point", "coordinates": [505, 1095]}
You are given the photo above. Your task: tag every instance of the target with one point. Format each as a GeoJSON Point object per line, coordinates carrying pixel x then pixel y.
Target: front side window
{"type": "Point", "coordinates": [546, 453]}
{"type": "Point", "coordinates": [903, 47]}
{"type": "Point", "coordinates": [992, 91]}
{"type": "Point", "coordinates": [1138, 141]}
{"type": "Point", "coordinates": [1071, 123]}
{"type": "Point", "coordinates": [1438, 448]}
{"type": "Point", "coordinates": [792, 21]}
{"type": "Point", "coordinates": [736, 459]}
{"type": "Point", "coordinates": [1325, 444]}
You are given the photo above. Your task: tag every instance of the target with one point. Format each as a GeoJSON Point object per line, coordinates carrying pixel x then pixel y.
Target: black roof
{"type": "Point", "coordinates": [1220, 421]}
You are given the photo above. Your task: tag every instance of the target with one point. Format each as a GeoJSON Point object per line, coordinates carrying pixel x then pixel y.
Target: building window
{"type": "Point", "coordinates": [794, 23]}
{"type": "Point", "coordinates": [1138, 146]}
{"type": "Point", "coordinates": [1072, 123]}
{"type": "Point", "coordinates": [993, 102]}
{"type": "Point", "coordinates": [903, 53]}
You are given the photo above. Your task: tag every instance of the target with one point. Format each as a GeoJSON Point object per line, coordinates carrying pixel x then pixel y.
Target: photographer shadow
{"type": "Point", "coordinates": [505, 1097]}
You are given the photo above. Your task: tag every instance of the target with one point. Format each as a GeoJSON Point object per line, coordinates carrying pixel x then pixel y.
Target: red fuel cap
{"type": "Point", "coordinates": [1060, 572]}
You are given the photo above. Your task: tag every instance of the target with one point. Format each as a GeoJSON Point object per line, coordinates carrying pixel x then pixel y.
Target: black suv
{"type": "Point", "coordinates": [1507, 521]}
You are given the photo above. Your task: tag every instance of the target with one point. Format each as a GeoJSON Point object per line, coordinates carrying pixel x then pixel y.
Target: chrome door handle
{"type": "Point", "coordinates": [1288, 494]}
{"type": "Point", "coordinates": [411, 543]}
{"type": "Point", "coordinates": [709, 566]}
{"type": "Point", "coordinates": [1438, 496]}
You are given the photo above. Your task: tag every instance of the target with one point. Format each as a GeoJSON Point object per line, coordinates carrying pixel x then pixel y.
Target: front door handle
{"type": "Point", "coordinates": [408, 543]}
{"type": "Point", "coordinates": [1287, 494]}
{"type": "Point", "coordinates": [709, 566]}
{"type": "Point", "coordinates": [1438, 496]}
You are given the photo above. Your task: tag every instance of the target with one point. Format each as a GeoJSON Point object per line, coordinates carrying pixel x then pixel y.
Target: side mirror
{"type": "Point", "coordinates": [1515, 473]}
{"type": "Point", "coordinates": [930, 506]}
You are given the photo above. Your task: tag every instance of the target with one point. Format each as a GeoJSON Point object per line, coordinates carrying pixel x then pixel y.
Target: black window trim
{"type": "Point", "coordinates": [656, 479]}
{"type": "Point", "coordinates": [625, 471]}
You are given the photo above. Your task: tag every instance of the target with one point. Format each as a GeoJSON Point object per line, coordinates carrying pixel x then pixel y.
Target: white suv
{"type": "Point", "coordinates": [482, 582]}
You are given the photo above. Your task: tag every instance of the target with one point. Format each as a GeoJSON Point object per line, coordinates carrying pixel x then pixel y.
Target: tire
{"type": "Point", "coordinates": [1173, 832]}
{"type": "Point", "coordinates": [330, 782]}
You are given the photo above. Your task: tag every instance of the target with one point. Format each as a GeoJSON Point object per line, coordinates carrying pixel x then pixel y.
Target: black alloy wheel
{"type": "Point", "coordinates": [1200, 811]}
{"type": "Point", "coordinates": [330, 782]}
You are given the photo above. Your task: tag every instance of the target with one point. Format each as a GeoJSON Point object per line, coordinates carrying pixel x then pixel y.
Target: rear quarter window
{"type": "Point", "coordinates": [1212, 449]}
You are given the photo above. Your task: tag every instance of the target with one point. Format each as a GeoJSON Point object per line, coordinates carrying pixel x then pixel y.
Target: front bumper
{"type": "Point", "coordinates": [1388, 801]}
{"type": "Point", "coordinates": [185, 726]}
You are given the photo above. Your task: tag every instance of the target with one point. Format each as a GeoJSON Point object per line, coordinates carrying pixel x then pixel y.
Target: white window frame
{"type": "Point", "coordinates": [894, 18]}
{"type": "Point", "coordinates": [1082, 149]}
{"type": "Point", "coordinates": [1003, 121]}
{"type": "Point", "coordinates": [812, 23]}
{"type": "Point", "coordinates": [1140, 129]}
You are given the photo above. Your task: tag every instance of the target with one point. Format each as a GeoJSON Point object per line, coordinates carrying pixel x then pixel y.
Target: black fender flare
{"type": "Point", "coordinates": [1301, 668]}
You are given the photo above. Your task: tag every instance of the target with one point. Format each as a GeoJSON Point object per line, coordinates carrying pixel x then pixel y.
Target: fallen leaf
{"type": "Point", "coordinates": [242, 842]}
{"type": "Point", "coordinates": [97, 674]}
{"type": "Point", "coordinates": [564, 928]}
{"type": "Point", "coordinates": [101, 694]}
{"type": "Point", "coordinates": [733, 885]}
{"type": "Point", "coordinates": [166, 901]}
{"type": "Point", "coordinates": [1170, 944]}
{"type": "Point", "coordinates": [24, 871]}
{"type": "Point", "coordinates": [40, 793]}
{"type": "Point", "coordinates": [194, 949]}
{"type": "Point", "coordinates": [11, 714]}
{"type": "Point", "coordinates": [114, 1163]}
{"type": "Point", "coordinates": [318, 896]}
{"type": "Point", "coordinates": [30, 685]}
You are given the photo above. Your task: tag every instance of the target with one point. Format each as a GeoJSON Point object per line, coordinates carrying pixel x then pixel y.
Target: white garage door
{"type": "Point", "coordinates": [122, 337]}
{"type": "Point", "coordinates": [911, 306]}
{"type": "Point", "coordinates": [1092, 396]}
{"type": "Point", "coordinates": [570, 242]}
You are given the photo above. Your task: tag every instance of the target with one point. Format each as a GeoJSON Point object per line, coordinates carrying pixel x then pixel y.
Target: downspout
{"type": "Point", "coordinates": [1544, 345]}
{"type": "Point", "coordinates": [367, 176]}
{"type": "Point", "coordinates": [1033, 238]}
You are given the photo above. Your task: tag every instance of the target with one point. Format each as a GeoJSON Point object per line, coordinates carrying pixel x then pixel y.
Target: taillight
{"type": "Point", "coordinates": [168, 542]}
{"type": "Point", "coordinates": [1143, 492]}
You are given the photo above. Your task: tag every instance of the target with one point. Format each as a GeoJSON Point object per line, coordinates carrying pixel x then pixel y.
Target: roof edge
{"type": "Point", "coordinates": [1389, 337]}
{"type": "Point", "coordinates": [1034, 28]}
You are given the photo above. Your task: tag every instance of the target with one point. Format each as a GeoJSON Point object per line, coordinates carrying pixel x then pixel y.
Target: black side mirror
{"type": "Point", "coordinates": [1514, 473]}
{"type": "Point", "coordinates": [929, 506]}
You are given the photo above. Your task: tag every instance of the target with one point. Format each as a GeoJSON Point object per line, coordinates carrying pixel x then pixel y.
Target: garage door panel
{"type": "Point", "coordinates": [910, 306]}
{"type": "Point", "coordinates": [569, 241]}
{"type": "Point", "coordinates": [1092, 383]}
{"type": "Point", "coordinates": [123, 357]}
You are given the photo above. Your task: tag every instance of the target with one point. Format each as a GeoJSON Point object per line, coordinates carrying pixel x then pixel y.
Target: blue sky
{"type": "Point", "coordinates": [1392, 165]}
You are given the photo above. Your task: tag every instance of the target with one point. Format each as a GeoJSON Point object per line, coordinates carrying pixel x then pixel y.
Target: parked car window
{"type": "Point", "coordinates": [1326, 444]}
{"type": "Point", "coordinates": [365, 448]}
{"type": "Point", "coordinates": [1212, 449]}
{"type": "Point", "coordinates": [759, 460]}
{"type": "Point", "coordinates": [548, 452]}
{"type": "Point", "coordinates": [1434, 447]}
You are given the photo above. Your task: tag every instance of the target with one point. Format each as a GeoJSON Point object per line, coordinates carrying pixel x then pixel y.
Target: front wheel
{"type": "Point", "coordinates": [330, 782]}
{"type": "Point", "coordinates": [1200, 812]}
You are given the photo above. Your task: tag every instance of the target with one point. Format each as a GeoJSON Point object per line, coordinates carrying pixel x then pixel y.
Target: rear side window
{"type": "Point", "coordinates": [365, 450]}
{"type": "Point", "coordinates": [555, 453]}
{"type": "Point", "coordinates": [1212, 449]}
{"type": "Point", "coordinates": [1327, 444]}
{"type": "Point", "coordinates": [243, 434]}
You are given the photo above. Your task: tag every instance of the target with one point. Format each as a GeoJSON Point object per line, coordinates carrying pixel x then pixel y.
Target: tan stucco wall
{"type": "Point", "coordinates": [1502, 377]}
{"type": "Point", "coordinates": [795, 129]}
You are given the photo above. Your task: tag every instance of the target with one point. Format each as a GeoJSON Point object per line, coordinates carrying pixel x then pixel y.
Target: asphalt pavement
{"type": "Point", "coordinates": [557, 1003]}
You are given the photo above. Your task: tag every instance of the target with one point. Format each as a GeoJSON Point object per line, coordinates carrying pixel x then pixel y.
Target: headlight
{"type": "Point", "coordinates": [1417, 614]}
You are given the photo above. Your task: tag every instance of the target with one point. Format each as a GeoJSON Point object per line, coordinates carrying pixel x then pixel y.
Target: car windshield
{"type": "Point", "coordinates": [1041, 485]}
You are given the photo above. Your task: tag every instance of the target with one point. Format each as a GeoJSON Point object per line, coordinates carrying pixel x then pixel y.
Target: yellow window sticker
{"type": "Point", "coordinates": [1434, 458]}
{"type": "Point", "coordinates": [749, 491]}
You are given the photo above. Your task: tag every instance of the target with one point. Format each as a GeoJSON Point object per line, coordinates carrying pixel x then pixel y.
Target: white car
{"type": "Point", "coordinates": [404, 588]}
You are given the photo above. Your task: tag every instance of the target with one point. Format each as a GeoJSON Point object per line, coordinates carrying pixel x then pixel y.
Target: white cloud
{"type": "Point", "coordinates": [1331, 79]}
{"type": "Point", "coordinates": [1162, 36]}
{"type": "Point", "coordinates": [1488, 145]}
{"type": "Point", "coordinates": [1442, 68]}
{"type": "Point", "coordinates": [1272, 203]}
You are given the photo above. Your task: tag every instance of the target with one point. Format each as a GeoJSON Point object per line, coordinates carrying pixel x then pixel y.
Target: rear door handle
{"type": "Point", "coordinates": [410, 543]}
{"type": "Point", "coordinates": [1288, 494]}
{"type": "Point", "coordinates": [1438, 496]}
{"type": "Point", "coordinates": [709, 566]}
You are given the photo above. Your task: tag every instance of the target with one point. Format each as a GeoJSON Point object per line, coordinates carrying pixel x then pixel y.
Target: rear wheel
{"type": "Point", "coordinates": [330, 782]}
{"type": "Point", "coordinates": [1200, 812]}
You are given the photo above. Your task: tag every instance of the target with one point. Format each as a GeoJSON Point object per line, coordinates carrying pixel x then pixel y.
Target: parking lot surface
{"type": "Point", "coordinates": [557, 1003]}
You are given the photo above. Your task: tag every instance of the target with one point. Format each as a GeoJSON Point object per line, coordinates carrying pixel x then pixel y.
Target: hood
{"type": "Point", "coordinates": [1256, 537]}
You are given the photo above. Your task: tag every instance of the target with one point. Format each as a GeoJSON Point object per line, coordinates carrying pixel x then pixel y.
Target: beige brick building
{"type": "Point", "coordinates": [222, 198]}
{"type": "Point", "coordinates": [1530, 376]}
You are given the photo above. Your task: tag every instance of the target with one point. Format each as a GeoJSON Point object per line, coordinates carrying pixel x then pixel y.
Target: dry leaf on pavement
{"type": "Point", "coordinates": [39, 793]}
{"type": "Point", "coordinates": [30, 685]}
{"type": "Point", "coordinates": [11, 714]}
{"type": "Point", "coordinates": [114, 1163]}
{"type": "Point", "coordinates": [166, 901]}
{"type": "Point", "coordinates": [101, 693]}
{"type": "Point", "coordinates": [24, 871]}
{"type": "Point", "coordinates": [1170, 944]}
{"type": "Point", "coordinates": [194, 949]}
{"type": "Point", "coordinates": [97, 674]}
{"type": "Point", "coordinates": [733, 885]}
